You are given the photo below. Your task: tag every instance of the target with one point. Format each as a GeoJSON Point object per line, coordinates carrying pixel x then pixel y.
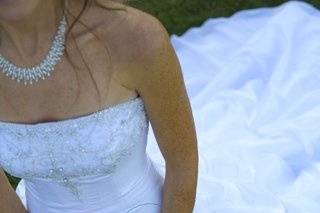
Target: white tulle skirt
{"type": "Point", "coordinates": [254, 84]}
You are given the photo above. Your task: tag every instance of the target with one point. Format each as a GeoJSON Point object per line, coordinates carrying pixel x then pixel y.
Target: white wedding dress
{"type": "Point", "coordinates": [253, 83]}
{"type": "Point", "coordinates": [93, 163]}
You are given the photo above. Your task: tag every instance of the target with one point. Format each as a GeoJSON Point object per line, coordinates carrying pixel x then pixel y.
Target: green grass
{"type": "Point", "coordinates": [179, 15]}
{"type": "Point", "coordinates": [13, 180]}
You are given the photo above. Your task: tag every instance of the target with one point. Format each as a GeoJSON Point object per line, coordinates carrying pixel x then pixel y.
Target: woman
{"type": "Point", "coordinates": [74, 153]}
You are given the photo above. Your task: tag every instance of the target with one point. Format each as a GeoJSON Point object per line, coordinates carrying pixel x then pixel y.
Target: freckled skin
{"type": "Point", "coordinates": [143, 63]}
{"type": "Point", "coordinates": [158, 78]}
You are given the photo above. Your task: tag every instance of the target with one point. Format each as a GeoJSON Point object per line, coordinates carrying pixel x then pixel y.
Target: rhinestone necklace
{"type": "Point", "coordinates": [41, 70]}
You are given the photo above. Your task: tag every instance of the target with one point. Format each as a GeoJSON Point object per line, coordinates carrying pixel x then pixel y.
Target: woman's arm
{"type": "Point", "coordinates": [159, 81]}
{"type": "Point", "coordinates": [9, 200]}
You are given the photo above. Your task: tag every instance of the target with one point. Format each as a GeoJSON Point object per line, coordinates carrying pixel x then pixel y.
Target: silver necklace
{"type": "Point", "coordinates": [41, 70]}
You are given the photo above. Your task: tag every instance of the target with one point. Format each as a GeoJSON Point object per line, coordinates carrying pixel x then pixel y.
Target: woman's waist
{"type": "Point", "coordinates": [99, 194]}
{"type": "Point", "coordinates": [90, 187]}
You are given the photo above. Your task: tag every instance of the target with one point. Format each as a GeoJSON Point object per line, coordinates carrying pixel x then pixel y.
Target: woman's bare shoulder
{"type": "Point", "coordinates": [112, 17]}
{"type": "Point", "coordinates": [133, 36]}
{"type": "Point", "coordinates": [135, 33]}
{"type": "Point", "coordinates": [123, 23]}
{"type": "Point", "coordinates": [129, 21]}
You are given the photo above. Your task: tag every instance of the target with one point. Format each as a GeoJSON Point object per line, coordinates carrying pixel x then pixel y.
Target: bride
{"type": "Point", "coordinates": [78, 154]}
{"type": "Point", "coordinates": [253, 84]}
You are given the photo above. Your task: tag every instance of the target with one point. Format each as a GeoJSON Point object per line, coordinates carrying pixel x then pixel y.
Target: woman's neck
{"type": "Point", "coordinates": [30, 36]}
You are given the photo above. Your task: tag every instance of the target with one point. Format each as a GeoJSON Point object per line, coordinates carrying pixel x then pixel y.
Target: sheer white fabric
{"type": "Point", "coordinates": [253, 82]}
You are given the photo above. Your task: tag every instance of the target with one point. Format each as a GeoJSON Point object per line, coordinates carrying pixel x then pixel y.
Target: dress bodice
{"type": "Point", "coordinates": [66, 151]}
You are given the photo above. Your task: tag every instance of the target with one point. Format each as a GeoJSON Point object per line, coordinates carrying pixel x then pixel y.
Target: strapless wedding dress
{"type": "Point", "coordinates": [93, 163]}
{"type": "Point", "coordinates": [253, 83]}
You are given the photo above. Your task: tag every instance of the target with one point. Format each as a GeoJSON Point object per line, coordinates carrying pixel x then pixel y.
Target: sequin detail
{"type": "Point", "coordinates": [69, 149]}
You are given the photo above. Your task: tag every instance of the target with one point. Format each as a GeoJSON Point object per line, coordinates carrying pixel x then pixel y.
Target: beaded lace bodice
{"type": "Point", "coordinates": [65, 150]}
